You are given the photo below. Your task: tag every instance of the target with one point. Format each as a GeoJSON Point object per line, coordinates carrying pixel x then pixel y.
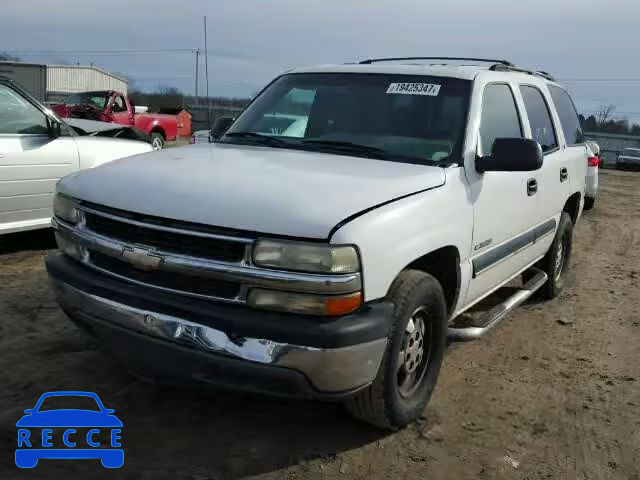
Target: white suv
{"type": "Point", "coordinates": [334, 263]}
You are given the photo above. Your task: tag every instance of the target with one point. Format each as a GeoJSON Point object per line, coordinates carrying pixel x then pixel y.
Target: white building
{"type": "Point", "coordinates": [65, 79]}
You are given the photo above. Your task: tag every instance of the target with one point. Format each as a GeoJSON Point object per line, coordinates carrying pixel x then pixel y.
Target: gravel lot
{"type": "Point", "coordinates": [553, 392]}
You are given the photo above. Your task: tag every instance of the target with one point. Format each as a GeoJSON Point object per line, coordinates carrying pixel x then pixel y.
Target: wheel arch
{"type": "Point", "coordinates": [160, 130]}
{"type": "Point", "coordinates": [444, 264]}
{"type": "Point", "coordinates": [572, 206]}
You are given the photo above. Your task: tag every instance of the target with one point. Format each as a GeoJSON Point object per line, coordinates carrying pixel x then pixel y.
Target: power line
{"type": "Point", "coordinates": [175, 51]}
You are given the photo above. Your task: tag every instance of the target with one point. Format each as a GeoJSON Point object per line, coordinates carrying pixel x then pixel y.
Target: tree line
{"type": "Point", "coordinates": [603, 121]}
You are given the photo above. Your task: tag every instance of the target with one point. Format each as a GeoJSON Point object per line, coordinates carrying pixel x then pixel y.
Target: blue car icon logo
{"type": "Point", "coordinates": [82, 431]}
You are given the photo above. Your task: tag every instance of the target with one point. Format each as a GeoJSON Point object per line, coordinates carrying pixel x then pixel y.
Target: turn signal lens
{"type": "Point", "coordinates": [593, 161]}
{"type": "Point", "coordinates": [335, 306]}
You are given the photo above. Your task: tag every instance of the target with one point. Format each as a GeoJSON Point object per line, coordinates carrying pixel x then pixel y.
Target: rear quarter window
{"type": "Point", "coordinates": [568, 116]}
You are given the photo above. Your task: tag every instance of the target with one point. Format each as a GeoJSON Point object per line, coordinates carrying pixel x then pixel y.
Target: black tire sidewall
{"type": "Point", "coordinates": [428, 293]}
{"type": "Point", "coordinates": [565, 228]}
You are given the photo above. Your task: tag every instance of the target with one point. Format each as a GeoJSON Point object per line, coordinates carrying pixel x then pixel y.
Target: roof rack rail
{"type": "Point", "coordinates": [466, 59]}
{"type": "Point", "coordinates": [501, 67]}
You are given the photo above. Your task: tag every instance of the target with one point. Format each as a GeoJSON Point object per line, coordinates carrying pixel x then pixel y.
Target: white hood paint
{"type": "Point", "coordinates": [267, 190]}
{"type": "Point", "coordinates": [95, 151]}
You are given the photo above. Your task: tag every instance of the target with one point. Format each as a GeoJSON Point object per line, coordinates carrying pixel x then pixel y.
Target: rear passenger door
{"type": "Point", "coordinates": [554, 176]}
{"type": "Point", "coordinates": [574, 142]}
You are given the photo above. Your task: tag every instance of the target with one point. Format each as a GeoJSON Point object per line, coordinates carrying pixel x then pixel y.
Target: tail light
{"type": "Point", "coordinates": [593, 161]}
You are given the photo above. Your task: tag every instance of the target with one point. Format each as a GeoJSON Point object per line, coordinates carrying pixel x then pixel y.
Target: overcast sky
{"type": "Point", "coordinates": [250, 41]}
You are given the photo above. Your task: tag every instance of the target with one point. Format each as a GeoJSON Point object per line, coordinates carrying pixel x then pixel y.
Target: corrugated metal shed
{"type": "Point", "coordinates": [74, 79]}
{"type": "Point", "coordinates": [30, 76]}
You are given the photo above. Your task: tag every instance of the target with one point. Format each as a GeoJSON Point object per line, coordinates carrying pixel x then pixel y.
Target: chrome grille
{"type": "Point", "coordinates": [208, 287]}
{"type": "Point", "coordinates": [194, 244]}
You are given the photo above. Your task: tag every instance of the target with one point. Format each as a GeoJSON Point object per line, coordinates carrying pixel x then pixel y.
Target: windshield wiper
{"type": "Point", "coordinates": [257, 136]}
{"type": "Point", "coordinates": [348, 147]}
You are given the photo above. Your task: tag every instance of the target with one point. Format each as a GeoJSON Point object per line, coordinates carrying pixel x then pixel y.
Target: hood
{"type": "Point", "coordinates": [96, 150]}
{"type": "Point", "coordinates": [267, 190]}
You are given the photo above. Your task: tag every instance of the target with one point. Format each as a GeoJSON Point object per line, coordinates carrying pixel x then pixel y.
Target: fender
{"type": "Point", "coordinates": [394, 235]}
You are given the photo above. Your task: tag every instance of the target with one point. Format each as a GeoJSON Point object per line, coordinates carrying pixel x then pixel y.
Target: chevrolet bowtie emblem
{"type": "Point", "coordinates": [141, 258]}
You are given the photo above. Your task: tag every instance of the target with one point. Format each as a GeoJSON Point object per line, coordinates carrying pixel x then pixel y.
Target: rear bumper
{"type": "Point", "coordinates": [228, 347]}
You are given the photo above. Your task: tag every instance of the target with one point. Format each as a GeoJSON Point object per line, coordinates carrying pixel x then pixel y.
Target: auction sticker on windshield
{"type": "Point", "coordinates": [430, 89]}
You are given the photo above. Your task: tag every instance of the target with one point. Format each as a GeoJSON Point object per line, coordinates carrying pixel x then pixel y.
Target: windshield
{"type": "Point", "coordinates": [396, 117]}
{"type": "Point", "coordinates": [97, 99]}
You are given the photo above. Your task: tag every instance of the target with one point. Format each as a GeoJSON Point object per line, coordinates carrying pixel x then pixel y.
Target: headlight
{"type": "Point", "coordinates": [306, 257]}
{"type": "Point", "coordinates": [65, 208]}
{"type": "Point", "coordinates": [308, 304]}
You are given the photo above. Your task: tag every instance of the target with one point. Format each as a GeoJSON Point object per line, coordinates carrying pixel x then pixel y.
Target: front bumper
{"type": "Point", "coordinates": [180, 339]}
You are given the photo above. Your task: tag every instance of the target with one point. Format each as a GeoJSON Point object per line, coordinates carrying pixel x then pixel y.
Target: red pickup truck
{"type": "Point", "coordinates": [116, 107]}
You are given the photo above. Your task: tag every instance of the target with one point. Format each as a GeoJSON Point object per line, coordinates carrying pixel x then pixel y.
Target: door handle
{"type": "Point", "coordinates": [564, 174]}
{"type": "Point", "coordinates": [532, 186]}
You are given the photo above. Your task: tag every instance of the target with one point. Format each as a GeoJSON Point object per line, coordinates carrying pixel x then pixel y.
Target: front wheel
{"type": "Point", "coordinates": [410, 366]}
{"type": "Point", "coordinates": [157, 141]}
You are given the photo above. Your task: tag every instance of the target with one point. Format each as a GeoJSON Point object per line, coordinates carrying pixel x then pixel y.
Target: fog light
{"type": "Point", "coordinates": [303, 303]}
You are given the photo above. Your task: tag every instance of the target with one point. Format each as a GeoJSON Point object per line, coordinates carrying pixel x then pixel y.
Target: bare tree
{"type": "Point", "coordinates": [6, 57]}
{"type": "Point", "coordinates": [604, 113]}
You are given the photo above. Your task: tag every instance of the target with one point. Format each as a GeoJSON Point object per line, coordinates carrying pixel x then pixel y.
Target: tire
{"type": "Point", "coordinates": [589, 202]}
{"type": "Point", "coordinates": [556, 268]}
{"type": "Point", "coordinates": [418, 297]}
{"type": "Point", "coordinates": [157, 141]}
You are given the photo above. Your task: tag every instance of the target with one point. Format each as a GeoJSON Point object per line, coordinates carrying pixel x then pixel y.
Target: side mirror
{"type": "Point", "coordinates": [220, 126]}
{"type": "Point", "coordinates": [109, 411]}
{"type": "Point", "coordinates": [511, 155]}
{"type": "Point", "coordinates": [55, 130]}
{"type": "Point", "coordinates": [29, 411]}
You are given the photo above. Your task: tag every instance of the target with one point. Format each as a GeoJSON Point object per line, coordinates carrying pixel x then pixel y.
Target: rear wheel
{"type": "Point", "coordinates": [157, 141]}
{"type": "Point", "coordinates": [589, 202]}
{"type": "Point", "coordinates": [556, 262]}
{"type": "Point", "coordinates": [409, 369]}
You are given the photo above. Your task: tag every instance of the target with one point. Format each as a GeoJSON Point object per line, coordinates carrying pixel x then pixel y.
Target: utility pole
{"type": "Point", "coordinates": [197, 64]}
{"type": "Point", "coordinates": [206, 71]}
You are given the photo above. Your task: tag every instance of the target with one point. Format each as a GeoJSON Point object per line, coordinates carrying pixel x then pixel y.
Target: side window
{"type": "Point", "coordinates": [119, 105]}
{"type": "Point", "coordinates": [539, 118]}
{"type": "Point", "coordinates": [499, 116]}
{"type": "Point", "coordinates": [18, 116]}
{"type": "Point", "coordinates": [568, 115]}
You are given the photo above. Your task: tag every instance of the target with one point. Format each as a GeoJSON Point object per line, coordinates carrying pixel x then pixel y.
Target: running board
{"type": "Point", "coordinates": [497, 313]}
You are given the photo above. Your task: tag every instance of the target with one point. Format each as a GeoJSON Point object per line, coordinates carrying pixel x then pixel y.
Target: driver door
{"type": "Point", "coordinates": [505, 204]}
{"type": "Point", "coordinates": [32, 160]}
{"type": "Point", "coordinates": [120, 110]}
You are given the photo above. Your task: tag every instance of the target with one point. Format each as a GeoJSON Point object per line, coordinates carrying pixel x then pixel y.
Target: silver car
{"type": "Point", "coordinates": [629, 159]}
{"type": "Point", "coordinates": [36, 149]}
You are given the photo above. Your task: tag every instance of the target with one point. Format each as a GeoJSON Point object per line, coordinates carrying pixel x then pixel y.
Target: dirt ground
{"type": "Point", "coordinates": [552, 393]}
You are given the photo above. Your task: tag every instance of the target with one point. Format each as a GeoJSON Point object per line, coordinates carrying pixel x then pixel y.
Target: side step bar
{"type": "Point", "coordinates": [497, 313]}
